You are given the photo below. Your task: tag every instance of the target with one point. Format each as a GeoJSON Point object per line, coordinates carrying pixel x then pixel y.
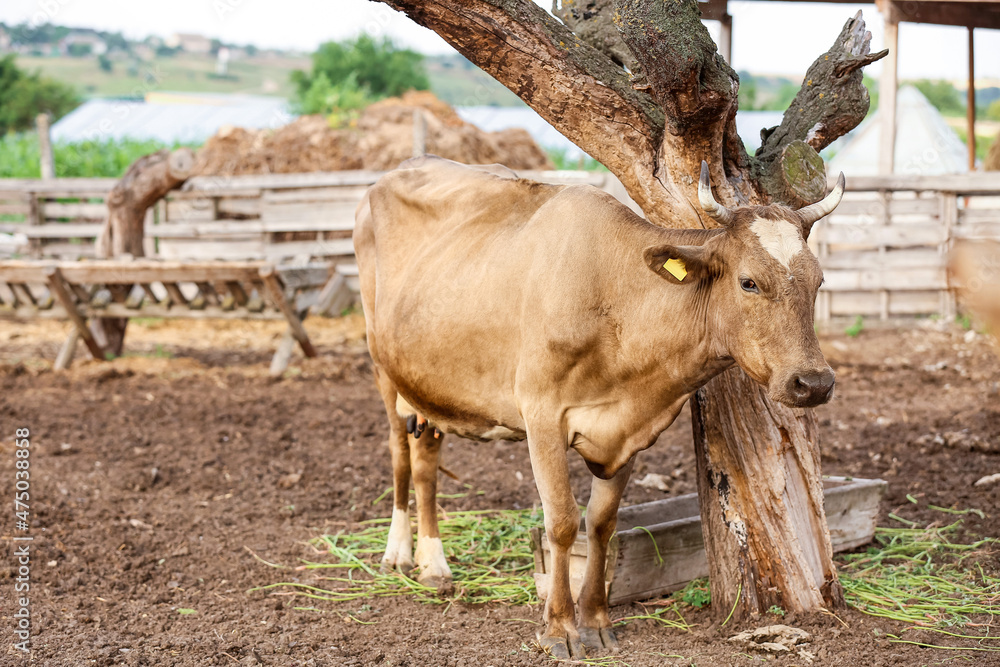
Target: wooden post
{"type": "Point", "coordinates": [726, 37]}
{"type": "Point", "coordinates": [267, 274]}
{"type": "Point", "coordinates": [762, 513]}
{"type": "Point", "coordinates": [970, 103]}
{"type": "Point", "coordinates": [67, 351]}
{"type": "Point", "coordinates": [58, 289]}
{"type": "Point", "coordinates": [147, 181]}
{"type": "Point", "coordinates": [48, 162]}
{"type": "Point", "coordinates": [887, 99]}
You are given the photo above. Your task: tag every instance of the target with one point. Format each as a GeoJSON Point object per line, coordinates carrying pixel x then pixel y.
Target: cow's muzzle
{"type": "Point", "coordinates": [807, 389]}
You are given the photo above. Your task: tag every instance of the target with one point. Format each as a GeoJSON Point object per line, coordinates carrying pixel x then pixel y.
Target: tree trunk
{"type": "Point", "coordinates": [759, 473]}
{"type": "Point", "coordinates": [147, 180]}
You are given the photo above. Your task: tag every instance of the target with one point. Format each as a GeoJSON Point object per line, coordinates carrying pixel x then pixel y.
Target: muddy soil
{"type": "Point", "coordinates": [159, 479]}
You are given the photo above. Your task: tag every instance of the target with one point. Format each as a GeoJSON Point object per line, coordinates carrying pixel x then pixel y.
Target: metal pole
{"type": "Point", "coordinates": [970, 103]}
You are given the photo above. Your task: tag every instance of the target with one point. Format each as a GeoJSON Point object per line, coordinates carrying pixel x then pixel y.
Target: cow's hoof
{"type": "Point", "coordinates": [441, 583]}
{"type": "Point", "coordinates": [391, 567]}
{"type": "Point", "coordinates": [598, 638]}
{"type": "Point", "coordinates": [560, 648]}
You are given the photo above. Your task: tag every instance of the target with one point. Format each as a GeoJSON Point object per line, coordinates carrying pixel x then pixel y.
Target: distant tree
{"type": "Point", "coordinates": [46, 33]}
{"type": "Point", "coordinates": [942, 95]}
{"type": "Point", "coordinates": [993, 110]}
{"type": "Point", "coordinates": [23, 96]}
{"type": "Point", "coordinates": [378, 66]}
{"type": "Point", "coordinates": [79, 50]}
{"type": "Point", "coordinates": [116, 41]}
{"type": "Point", "coordinates": [342, 104]}
{"type": "Point", "coordinates": [748, 91]}
{"type": "Point", "coordinates": [104, 63]}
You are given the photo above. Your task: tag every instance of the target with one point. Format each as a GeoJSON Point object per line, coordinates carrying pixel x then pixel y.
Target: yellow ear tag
{"type": "Point", "coordinates": [675, 267]}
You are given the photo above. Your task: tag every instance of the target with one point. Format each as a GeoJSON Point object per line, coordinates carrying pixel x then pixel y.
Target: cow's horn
{"type": "Point", "coordinates": [814, 212]}
{"type": "Point", "coordinates": [715, 210]}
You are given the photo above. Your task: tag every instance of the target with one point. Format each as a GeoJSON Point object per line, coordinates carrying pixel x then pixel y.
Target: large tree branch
{"type": "Point", "coordinates": [831, 102]}
{"type": "Point", "coordinates": [574, 86]}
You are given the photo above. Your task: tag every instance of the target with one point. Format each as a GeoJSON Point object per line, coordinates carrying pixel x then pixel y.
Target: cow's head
{"type": "Point", "coordinates": [760, 282]}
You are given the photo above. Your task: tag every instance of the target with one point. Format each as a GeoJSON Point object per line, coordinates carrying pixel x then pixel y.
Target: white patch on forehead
{"type": "Point", "coordinates": [780, 238]}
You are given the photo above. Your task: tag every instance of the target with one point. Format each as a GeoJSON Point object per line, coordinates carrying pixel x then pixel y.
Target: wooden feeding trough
{"type": "Point", "coordinates": [658, 548]}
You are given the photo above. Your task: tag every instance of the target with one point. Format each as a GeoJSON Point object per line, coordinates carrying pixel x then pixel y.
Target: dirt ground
{"type": "Point", "coordinates": [155, 479]}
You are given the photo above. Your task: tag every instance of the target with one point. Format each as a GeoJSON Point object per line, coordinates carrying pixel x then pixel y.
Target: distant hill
{"type": "Point", "coordinates": [181, 73]}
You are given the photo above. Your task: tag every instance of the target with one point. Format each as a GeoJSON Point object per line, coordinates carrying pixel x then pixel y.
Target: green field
{"type": "Point", "coordinates": [183, 72]}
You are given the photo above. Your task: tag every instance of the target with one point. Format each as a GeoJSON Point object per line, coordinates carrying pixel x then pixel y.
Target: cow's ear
{"type": "Point", "coordinates": [680, 264]}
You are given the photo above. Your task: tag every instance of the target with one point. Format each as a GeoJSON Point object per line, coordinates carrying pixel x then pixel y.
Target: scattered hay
{"type": "Point", "coordinates": [489, 553]}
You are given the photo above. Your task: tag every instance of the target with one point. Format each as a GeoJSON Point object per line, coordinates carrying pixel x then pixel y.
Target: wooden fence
{"type": "Point", "coordinates": [883, 250]}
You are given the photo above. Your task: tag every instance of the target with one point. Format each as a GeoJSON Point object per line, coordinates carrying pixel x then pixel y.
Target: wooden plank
{"type": "Point", "coordinates": [927, 258]}
{"type": "Point", "coordinates": [902, 279]}
{"type": "Point", "coordinates": [881, 235]}
{"type": "Point", "coordinates": [274, 291]}
{"type": "Point", "coordinates": [310, 275]}
{"type": "Point", "coordinates": [662, 547]}
{"type": "Point", "coordinates": [190, 210]}
{"type": "Point", "coordinates": [218, 228]}
{"type": "Point", "coordinates": [53, 230]}
{"type": "Point", "coordinates": [76, 211]}
{"type": "Point", "coordinates": [68, 350]}
{"type": "Point", "coordinates": [339, 211]}
{"type": "Point", "coordinates": [279, 363]}
{"type": "Point", "coordinates": [231, 250]}
{"type": "Point", "coordinates": [69, 251]}
{"type": "Point", "coordinates": [925, 206]}
{"type": "Point", "coordinates": [11, 208]}
{"type": "Point", "coordinates": [208, 293]}
{"type": "Point", "coordinates": [177, 297]}
{"type": "Point", "coordinates": [22, 293]}
{"type": "Point", "coordinates": [57, 312]}
{"type": "Point", "coordinates": [979, 230]}
{"type": "Point", "coordinates": [319, 248]}
{"type": "Point", "coordinates": [986, 183]}
{"type": "Point", "coordinates": [215, 184]}
{"type": "Point", "coordinates": [136, 271]}
{"type": "Point", "coordinates": [343, 193]}
{"type": "Point", "coordinates": [243, 207]}
{"type": "Point", "coordinates": [58, 288]}
{"type": "Point", "coordinates": [71, 187]}
{"type": "Point", "coordinates": [852, 304]}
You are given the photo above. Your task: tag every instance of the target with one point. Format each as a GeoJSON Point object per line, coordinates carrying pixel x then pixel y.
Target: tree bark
{"type": "Point", "coordinates": [147, 180]}
{"type": "Point", "coordinates": [759, 464]}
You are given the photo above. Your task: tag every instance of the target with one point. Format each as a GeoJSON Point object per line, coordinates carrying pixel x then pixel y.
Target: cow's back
{"type": "Point", "coordinates": [442, 259]}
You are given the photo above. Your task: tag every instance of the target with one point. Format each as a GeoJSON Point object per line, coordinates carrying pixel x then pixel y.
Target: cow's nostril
{"type": "Point", "coordinates": [811, 387]}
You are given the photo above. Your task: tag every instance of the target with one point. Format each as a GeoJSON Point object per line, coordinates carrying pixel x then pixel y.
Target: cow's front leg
{"type": "Point", "coordinates": [424, 453]}
{"type": "Point", "coordinates": [562, 522]}
{"type": "Point", "coordinates": [602, 518]}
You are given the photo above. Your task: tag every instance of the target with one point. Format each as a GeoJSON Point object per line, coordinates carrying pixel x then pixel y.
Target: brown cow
{"type": "Point", "coordinates": [500, 308]}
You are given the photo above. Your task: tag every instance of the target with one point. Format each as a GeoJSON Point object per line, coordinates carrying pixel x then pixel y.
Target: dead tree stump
{"type": "Point", "coordinates": [145, 182]}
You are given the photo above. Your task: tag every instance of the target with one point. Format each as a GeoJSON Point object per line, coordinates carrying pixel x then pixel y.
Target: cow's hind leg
{"type": "Point", "coordinates": [602, 518]}
{"type": "Point", "coordinates": [399, 547]}
{"type": "Point", "coordinates": [424, 454]}
{"type": "Point", "coordinates": [562, 522]}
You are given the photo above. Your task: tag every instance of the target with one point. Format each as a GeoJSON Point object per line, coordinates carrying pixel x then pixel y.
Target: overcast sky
{"type": "Point", "coordinates": [768, 37]}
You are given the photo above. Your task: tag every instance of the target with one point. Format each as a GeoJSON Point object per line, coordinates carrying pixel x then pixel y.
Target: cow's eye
{"type": "Point", "coordinates": [748, 285]}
